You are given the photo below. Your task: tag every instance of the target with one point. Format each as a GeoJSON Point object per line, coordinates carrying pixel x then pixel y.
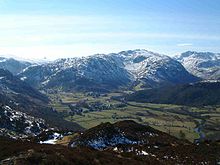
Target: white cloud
{"type": "Point", "coordinates": [184, 44]}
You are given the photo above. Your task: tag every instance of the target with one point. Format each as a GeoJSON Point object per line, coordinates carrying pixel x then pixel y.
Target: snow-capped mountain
{"type": "Point", "coordinates": [201, 64]}
{"type": "Point", "coordinates": [153, 68]}
{"type": "Point", "coordinates": [91, 72]}
{"type": "Point", "coordinates": [109, 71]}
{"type": "Point", "coordinates": [13, 65]}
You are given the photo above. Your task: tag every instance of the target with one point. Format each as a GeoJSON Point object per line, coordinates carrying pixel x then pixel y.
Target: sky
{"type": "Point", "coordinates": [52, 29]}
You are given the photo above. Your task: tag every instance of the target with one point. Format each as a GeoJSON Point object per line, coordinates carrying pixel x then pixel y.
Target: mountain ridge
{"type": "Point", "coordinates": [15, 66]}
{"type": "Point", "coordinates": [109, 71]}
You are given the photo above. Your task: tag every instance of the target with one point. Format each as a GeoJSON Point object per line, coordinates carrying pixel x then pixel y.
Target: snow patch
{"type": "Point", "coordinates": [53, 139]}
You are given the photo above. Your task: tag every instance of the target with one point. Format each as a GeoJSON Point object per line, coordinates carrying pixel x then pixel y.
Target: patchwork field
{"type": "Point", "coordinates": [184, 122]}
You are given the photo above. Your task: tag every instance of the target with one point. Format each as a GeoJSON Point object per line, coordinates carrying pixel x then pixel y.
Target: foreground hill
{"type": "Point", "coordinates": [127, 132]}
{"type": "Point", "coordinates": [107, 72]}
{"type": "Point", "coordinates": [196, 94]}
{"type": "Point", "coordinates": [20, 103]}
{"type": "Point", "coordinates": [205, 65]}
{"type": "Point", "coordinates": [137, 144]}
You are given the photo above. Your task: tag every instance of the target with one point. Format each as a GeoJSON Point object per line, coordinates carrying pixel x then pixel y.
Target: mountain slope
{"type": "Point", "coordinates": [12, 89]}
{"type": "Point", "coordinates": [107, 72]}
{"type": "Point", "coordinates": [202, 64]}
{"type": "Point", "coordinates": [197, 94]}
{"type": "Point", "coordinates": [16, 124]}
{"type": "Point", "coordinates": [14, 66]}
{"type": "Point", "coordinates": [24, 99]}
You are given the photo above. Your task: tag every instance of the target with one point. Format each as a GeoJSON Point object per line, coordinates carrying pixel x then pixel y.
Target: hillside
{"type": "Point", "coordinates": [22, 99]}
{"type": "Point", "coordinates": [197, 94]}
{"type": "Point", "coordinates": [154, 148]}
{"type": "Point", "coordinates": [16, 124]}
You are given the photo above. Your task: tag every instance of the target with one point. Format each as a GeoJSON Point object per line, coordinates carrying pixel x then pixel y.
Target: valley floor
{"type": "Point", "coordinates": [91, 109]}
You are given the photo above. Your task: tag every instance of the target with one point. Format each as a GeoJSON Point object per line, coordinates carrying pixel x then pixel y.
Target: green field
{"type": "Point", "coordinates": [168, 118]}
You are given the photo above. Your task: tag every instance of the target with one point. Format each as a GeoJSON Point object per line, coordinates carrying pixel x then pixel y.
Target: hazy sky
{"type": "Point", "coordinates": [69, 28]}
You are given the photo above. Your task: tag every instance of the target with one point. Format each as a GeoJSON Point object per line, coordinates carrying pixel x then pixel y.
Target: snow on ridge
{"type": "Point", "coordinates": [18, 121]}
{"type": "Point", "coordinates": [138, 69]}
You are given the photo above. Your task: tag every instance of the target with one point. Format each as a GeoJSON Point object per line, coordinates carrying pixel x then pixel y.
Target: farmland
{"type": "Point", "coordinates": [89, 110]}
